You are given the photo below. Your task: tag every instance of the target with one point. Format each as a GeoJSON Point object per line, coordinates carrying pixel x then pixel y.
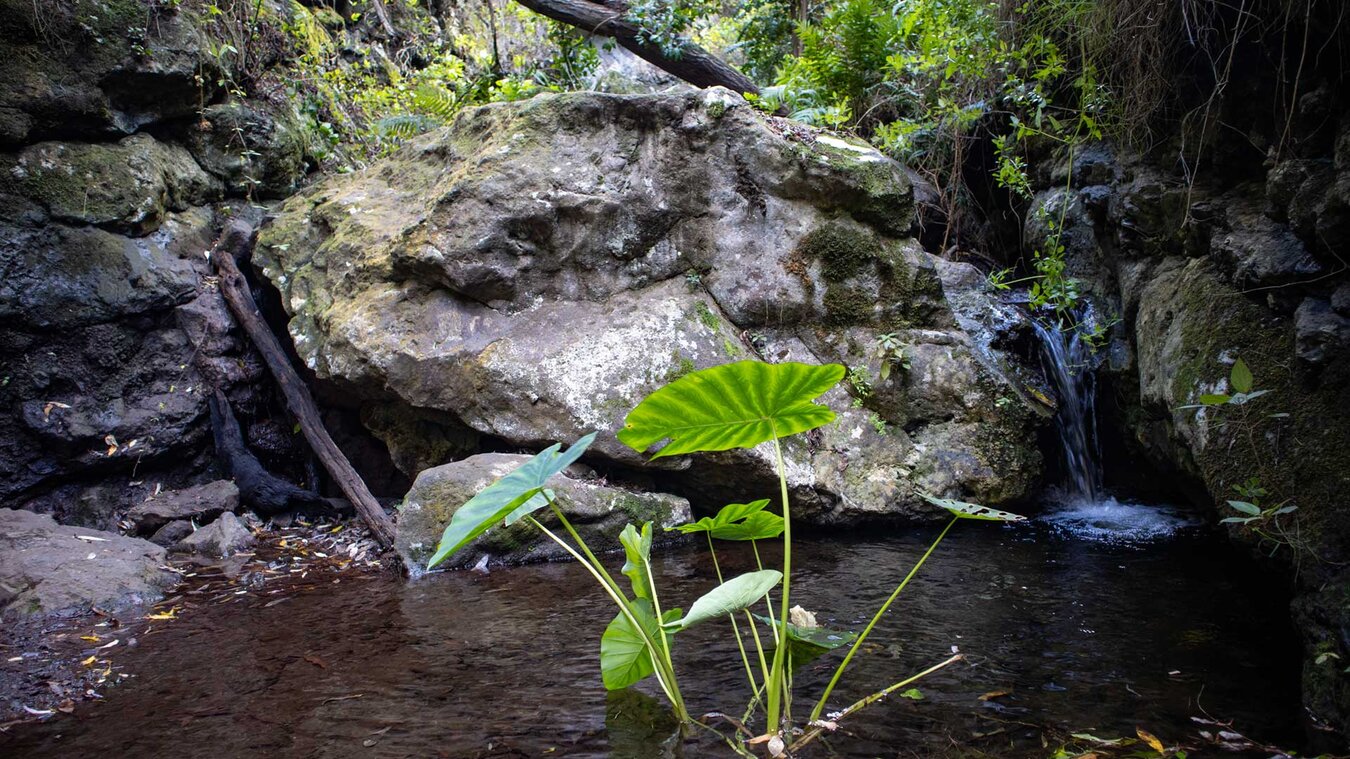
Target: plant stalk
{"type": "Point", "coordinates": [857, 644]}
{"type": "Point", "coordinates": [776, 682]}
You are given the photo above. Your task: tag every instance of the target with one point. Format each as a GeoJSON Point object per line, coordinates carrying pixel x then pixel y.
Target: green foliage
{"type": "Point", "coordinates": [738, 521]}
{"type": "Point", "coordinates": [891, 350]}
{"type": "Point", "coordinates": [736, 405]}
{"type": "Point", "coordinates": [515, 495]}
{"type": "Point", "coordinates": [731, 596]}
{"type": "Point", "coordinates": [625, 652]}
{"type": "Point", "coordinates": [963, 510]}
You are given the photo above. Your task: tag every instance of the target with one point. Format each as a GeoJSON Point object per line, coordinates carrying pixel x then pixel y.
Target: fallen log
{"type": "Point", "coordinates": [235, 241]}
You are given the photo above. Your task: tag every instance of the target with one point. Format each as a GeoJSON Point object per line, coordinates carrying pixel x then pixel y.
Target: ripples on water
{"type": "Point", "coordinates": [1084, 634]}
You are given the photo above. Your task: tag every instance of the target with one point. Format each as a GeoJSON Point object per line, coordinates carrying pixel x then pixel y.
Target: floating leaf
{"type": "Point", "coordinates": [733, 595]}
{"type": "Point", "coordinates": [965, 510]}
{"type": "Point", "coordinates": [912, 693]}
{"type": "Point", "coordinates": [1246, 508]}
{"type": "Point", "coordinates": [1150, 738]}
{"type": "Point", "coordinates": [509, 498]}
{"type": "Point", "coordinates": [625, 657]}
{"type": "Point", "coordinates": [737, 405]}
{"type": "Point", "coordinates": [805, 645]}
{"type": "Point", "coordinates": [637, 546]}
{"type": "Point", "coordinates": [1241, 377]}
{"type": "Point", "coordinates": [739, 521]}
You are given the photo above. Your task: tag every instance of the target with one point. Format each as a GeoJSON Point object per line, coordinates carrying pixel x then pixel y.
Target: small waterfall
{"type": "Point", "coordinates": [1067, 359]}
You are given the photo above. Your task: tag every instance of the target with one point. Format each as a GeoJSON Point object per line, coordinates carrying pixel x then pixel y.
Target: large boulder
{"type": "Point", "coordinates": [533, 271]}
{"type": "Point", "coordinates": [47, 568]}
{"type": "Point", "coordinates": [200, 503]}
{"type": "Point", "coordinates": [598, 511]}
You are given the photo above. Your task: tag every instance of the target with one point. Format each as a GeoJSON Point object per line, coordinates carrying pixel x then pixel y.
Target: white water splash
{"type": "Point", "coordinates": [1117, 522]}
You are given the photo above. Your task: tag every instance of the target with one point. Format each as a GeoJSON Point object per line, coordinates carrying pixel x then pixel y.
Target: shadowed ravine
{"type": "Point", "coordinates": [1085, 635]}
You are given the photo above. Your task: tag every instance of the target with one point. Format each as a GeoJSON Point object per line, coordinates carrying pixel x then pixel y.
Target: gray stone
{"type": "Point", "coordinates": [125, 186]}
{"type": "Point", "coordinates": [1319, 332]}
{"type": "Point", "coordinates": [169, 535]}
{"type": "Point", "coordinates": [1258, 252]}
{"type": "Point", "coordinates": [598, 512]}
{"type": "Point", "coordinates": [533, 271]}
{"type": "Point", "coordinates": [201, 503]}
{"type": "Point", "coordinates": [255, 153]}
{"type": "Point", "coordinates": [47, 568]}
{"type": "Point", "coordinates": [220, 539]}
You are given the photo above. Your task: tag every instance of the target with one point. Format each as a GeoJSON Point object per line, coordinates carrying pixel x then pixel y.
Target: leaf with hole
{"type": "Point", "coordinates": [509, 499]}
{"type": "Point", "coordinates": [733, 595]}
{"type": "Point", "coordinates": [737, 405]}
{"type": "Point", "coordinates": [963, 510]}
{"type": "Point", "coordinates": [739, 521]}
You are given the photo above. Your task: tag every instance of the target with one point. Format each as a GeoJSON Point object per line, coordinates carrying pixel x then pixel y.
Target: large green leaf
{"type": "Point", "coordinates": [624, 655]}
{"type": "Point", "coordinates": [637, 547]}
{"type": "Point", "coordinates": [739, 521]}
{"type": "Point", "coordinates": [806, 644]}
{"type": "Point", "coordinates": [736, 405]}
{"type": "Point", "coordinates": [733, 595]}
{"type": "Point", "coordinates": [510, 498]}
{"type": "Point", "coordinates": [972, 510]}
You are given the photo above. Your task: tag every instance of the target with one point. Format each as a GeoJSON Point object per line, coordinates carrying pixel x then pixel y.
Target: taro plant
{"type": "Point", "coordinates": [741, 405]}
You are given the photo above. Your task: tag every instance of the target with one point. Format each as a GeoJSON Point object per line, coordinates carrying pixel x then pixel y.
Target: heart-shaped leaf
{"type": "Point", "coordinates": [625, 657]}
{"type": "Point", "coordinates": [739, 521]}
{"type": "Point", "coordinates": [733, 595]}
{"type": "Point", "coordinates": [965, 510]}
{"type": "Point", "coordinates": [736, 405]}
{"type": "Point", "coordinates": [509, 499]}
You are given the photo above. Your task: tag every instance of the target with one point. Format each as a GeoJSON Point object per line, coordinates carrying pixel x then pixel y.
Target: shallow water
{"type": "Point", "coordinates": [1086, 635]}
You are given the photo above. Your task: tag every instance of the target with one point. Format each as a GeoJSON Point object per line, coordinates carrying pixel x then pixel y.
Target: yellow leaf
{"type": "Point", "coordinates": [91, 638]}
{"type": "Point", "coordinates": [1151, 740]}
{"type": "Point", "coordinates": [88, 662]}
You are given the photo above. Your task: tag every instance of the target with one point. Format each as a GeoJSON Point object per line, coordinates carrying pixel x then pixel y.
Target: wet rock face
{"type": "Point", "coordinates": [46, 568]}
{"type": "Point", "coordinates": [599, 513]}
{"type": "Point", "coordinates": [534, 270]}
{"type": "Point", "coordinates": [99, 68]}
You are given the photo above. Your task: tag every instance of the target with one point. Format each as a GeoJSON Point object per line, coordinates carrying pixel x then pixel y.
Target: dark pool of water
{"type": "Point", "coordinates": [1085, 635]}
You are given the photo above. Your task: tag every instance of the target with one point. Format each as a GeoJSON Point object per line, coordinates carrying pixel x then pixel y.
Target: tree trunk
{"type": "Point", "coordinates": [236, 239]}
{"type": "Point", "coordinates": [694, 64]}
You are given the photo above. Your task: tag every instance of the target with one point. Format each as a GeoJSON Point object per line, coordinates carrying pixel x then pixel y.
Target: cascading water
{"type": "Point", "coordinates": [1067, 358]}
{"type": "Point", "coordinates": [1086, 510]}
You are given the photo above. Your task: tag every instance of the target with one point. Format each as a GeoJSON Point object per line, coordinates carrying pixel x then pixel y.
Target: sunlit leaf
{"type": "Point", "coordinates": [912, 693]}
{"type": "Point", "coordinates": [965, 510]}
{"type": "Point", "coordinates": [739, 521]}
{"type": "Point", "coordinates": [733, 595]}
{"type": "Point", "coordinates": [737, 405]}
{"type": "Point", "coordinates": [510, 498]}
{"type": "Point", "coordinates": [1151, 740]}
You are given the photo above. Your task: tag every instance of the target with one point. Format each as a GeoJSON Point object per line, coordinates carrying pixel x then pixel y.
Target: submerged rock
{"type": "Point", "coordinates": [598, 511]}
{"type": "Point", "coordinates": [47, 568]}
{"type": "Point", "coordinates": [531, 272]}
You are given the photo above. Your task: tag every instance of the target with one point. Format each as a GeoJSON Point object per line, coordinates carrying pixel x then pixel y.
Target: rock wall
{"type": "Point", "coordinates": [1204, 274]}
{"type": "Point", "coordinates": [117, 154]}
{"type": "Point", "coordinates": [529, 273]}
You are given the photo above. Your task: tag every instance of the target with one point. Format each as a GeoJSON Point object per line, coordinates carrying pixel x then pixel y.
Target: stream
{"type": "Point", "coordinates": [1083, 634]}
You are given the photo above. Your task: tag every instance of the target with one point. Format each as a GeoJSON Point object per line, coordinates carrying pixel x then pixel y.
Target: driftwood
{"type": "Point", "coordinates": [609, 18]}
{"type": "Point", "coordinates": [235, 241]}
